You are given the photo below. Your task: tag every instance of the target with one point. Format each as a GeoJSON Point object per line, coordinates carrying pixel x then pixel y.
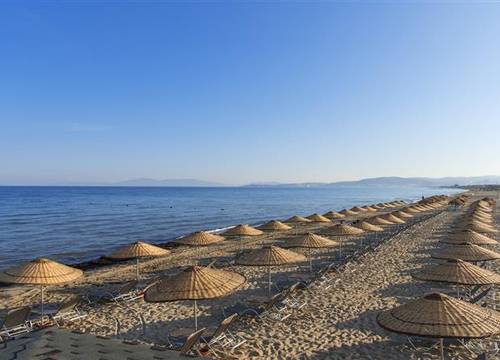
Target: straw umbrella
{"type": "Point", "coordinates": [348, 212]}
{"type": "Point", "coordinates": [274, 225]}
{"type": "Point", "coordinates": [393, 218]}
{"type": "Point", "coordinates": [41, 272]}
{"type": "Point", "coordinates": [333, 215]}
{"type": "Point", "coordinates": [344, 230]}
{"type": "Point", "coordinates": [199, 239]}
{"type": "Point", "coordinates": [195, 283]}
{"type": "Point", "coordinates": [269, 256]}
{"type": "Point", "coordinates": [440, 316]}
{"type": "Point", "coordinates": [377, 220]}
{"type": "Point", "coordinates": [357, 209]}
{"type": "Point", "coordinates": [402, 215]}
{"type": "Point", "coordinates": [480, 227]}
{"type": "Point", "coordinates": [366, 226]}
{"type": "Point", "coordinates": [138, 250]}
{"type": "Point", "coordinates": [312, 241]}
{"type": "Point", "coordinates": [458, 272]}
{"type": "Point", "coordinates": [318, 218]}
{"type": "Point", "coordinates": [469, 236]}
{"type": "Point", "coordinates": [243, 230]}
{"type": "Point", "coordinates": [467, 252]}
{"type": "Point", "coordinates": [298, 219]}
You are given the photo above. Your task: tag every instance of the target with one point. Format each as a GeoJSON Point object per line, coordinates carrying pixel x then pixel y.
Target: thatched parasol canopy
{"type": "Point", "coordinates": [318, 218]}
{"type": "Point", "coordinates": [392, 218]}
{"type": "Point", "coordinates": [243, 230]}
{"type": "Point", "coordinates": [333, 215]}
{"type": "Point", "coordinates": [358, 209]}
{"type": "Point", "coordinates": [200, 238]}
{"type": "Point", "coordinates": [411, 210]}
{"type": "Point", "coordinates": [480, 227]}
{"type": "Point", "coordinates": [441, 316]}
{"type": "Point", "coordinates": [269, 256]}
{"type": "Point", "coordinates": [195, 283]}
{"type": "Point", "coordinates": [275, 225]}
{"type": "Point", "coordinates": [467, 252]}
{"type": "Point", "coordinates": [469, 236]}
{"type": "Point", "coordinates": [345, 230]}
{"type": "Point", "coordinates": [311, 240]}
{"type": "Point", "coordinates": [366, 226]}
{"type": "Point", "coordinates": [348, 212]}
{"type": "Point", "coordinates": [40, 272]}
{"type": "Point", "coordinates": [458, 272]}
{"type": "Point", "coordinates": [402, 215]}
{"type": "Point", "coordinates": [298, 219]}
{"type": "Point", "coordinates": [138, 249]}
{"type": "Point", "coordinates": [377, 220]}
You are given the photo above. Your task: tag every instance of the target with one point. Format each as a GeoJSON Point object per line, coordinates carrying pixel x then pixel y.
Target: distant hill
{"type": "Point", "coordinates": [167, 182]}
{"type": "Point", "coordinates": [396, 181]}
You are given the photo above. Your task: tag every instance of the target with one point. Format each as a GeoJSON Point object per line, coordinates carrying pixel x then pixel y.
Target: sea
{"type": "Point", "coordinates": [77, 224]}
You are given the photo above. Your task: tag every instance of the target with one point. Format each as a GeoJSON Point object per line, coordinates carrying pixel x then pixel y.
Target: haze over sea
{"type": "Point", "coordinates": [75, 224]}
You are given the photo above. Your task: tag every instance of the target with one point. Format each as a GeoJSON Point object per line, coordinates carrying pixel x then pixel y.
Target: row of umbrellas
{"type": "Point", "coordinates": [195, 283]}
{"type": "Point", "coordinates": [441, 316]}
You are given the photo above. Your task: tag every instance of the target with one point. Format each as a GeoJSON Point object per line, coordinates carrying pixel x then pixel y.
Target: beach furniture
{"type": "Point", "coordinates": [195, 283]}
{"type": "Point", "coordinates": [275, 225]}
{"type": "Point", "coordinates": [466, 251]}
{"type": "Point", "coordinates": [312, 241]}
{"type": "Point", "coordinates": [440, 316]}
{"type": "Point", "coordinates": [15, 323]}
{"type": "Point", "coordinates": [126, 293]}
{"type": "Point", "coordinates": [477, 299]}
{"type": "Point", "coordinates": [269, 256]}
{"type": "Point", "coordinates": [223, 337]}
{"type": "Point", "coordinates": [272, 309]}
{"type": "Point", "coordinates": [68, 311]}
{"type": "Point", "coordinates": [138, 250]}
{"type": "Point", "coordinates": [289, 299]}
{"type": "Point", "coordinates": [40, 272]}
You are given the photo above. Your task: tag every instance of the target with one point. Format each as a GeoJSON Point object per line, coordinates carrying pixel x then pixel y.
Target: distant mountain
{"type": "Point", "coordinates": [167, 182]}
{"type": "Point", "coordinates": [394, 181]}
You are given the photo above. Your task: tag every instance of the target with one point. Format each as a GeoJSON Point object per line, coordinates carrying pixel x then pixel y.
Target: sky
{"type": "Point", "coordinates": [240, 92]}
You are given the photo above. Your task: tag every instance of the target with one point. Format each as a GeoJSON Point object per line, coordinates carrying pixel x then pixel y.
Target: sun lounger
{"type": "Point", "coordinates": [290, 300]}
{"type": "Point", "coordinates": [15, 323]}
{"type": "Point", "coordinates": [186, 347]}
{"type": "Point", "coordinates": [126, 293]}
{"type": "Point", "coordinates": [480, 297]}
{"type": "Point", "coordinates": [272, 309]}
{"type": "Point", "coordinates": [223, 337]}
{"type": "Point", "coordinates": [68, 311]}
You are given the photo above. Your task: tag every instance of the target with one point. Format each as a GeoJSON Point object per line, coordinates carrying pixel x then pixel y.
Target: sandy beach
{"type": "Point", "coordinates": [336, 323]}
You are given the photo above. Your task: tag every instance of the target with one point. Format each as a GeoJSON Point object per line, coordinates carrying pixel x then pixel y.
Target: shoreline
{"type": "Point", "coordinates": [102, 261]}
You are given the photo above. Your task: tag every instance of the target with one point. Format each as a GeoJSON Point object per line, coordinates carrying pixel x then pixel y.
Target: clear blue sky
{"type": "Point", "coordinates": [242, 92]}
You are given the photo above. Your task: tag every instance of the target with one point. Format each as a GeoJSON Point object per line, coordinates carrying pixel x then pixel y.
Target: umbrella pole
{"type": "Point", "coordinates": [137, 268]}
{"type": "Point", "coordinates": [441, 348]}
{"type": "Point", "coordinates": [310, 261]}
{"type": "Point", "coordinates": [195, 316]}
{"type": "Point", "coordinates": [269, 280]}
{"type": "Point", "coordinates": [41, 292]}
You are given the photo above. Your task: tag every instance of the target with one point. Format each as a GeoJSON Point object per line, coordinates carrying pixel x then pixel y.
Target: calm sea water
{"type": "Point", "coordinates": [74, 224]}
